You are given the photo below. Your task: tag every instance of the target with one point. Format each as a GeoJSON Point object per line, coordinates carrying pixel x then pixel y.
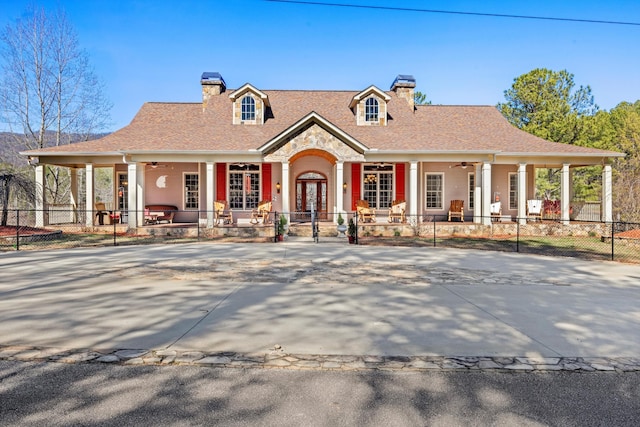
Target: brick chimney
{"type": "Point", "coordinates": [212, 84]}
{"type": "Point", "coordinates": [404, 86]}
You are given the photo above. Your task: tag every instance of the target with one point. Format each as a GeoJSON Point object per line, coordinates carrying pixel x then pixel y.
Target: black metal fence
{"type": "Point", "coordinates": [616, 241]}
{"type": "Point", "coordinates": [595, 240]}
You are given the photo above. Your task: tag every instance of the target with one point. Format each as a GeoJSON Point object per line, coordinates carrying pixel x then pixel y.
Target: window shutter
{"type": "Point", "coordinates": [266, 181]}
{"type": "Point", "coordinates": [400, 183]}
{"type": "Point", "coordinates": [221, 181]}
{"type": "Point", "coordinates": [355, 184]}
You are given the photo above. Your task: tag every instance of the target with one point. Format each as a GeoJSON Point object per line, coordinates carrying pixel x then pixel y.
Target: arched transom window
{"type": "Point", "coordinates": [371, 109]}
{"type": "Point", "coordinates": [248, 108]}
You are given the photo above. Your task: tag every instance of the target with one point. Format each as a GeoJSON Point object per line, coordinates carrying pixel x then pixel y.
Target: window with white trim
{"type": "Point", "coordinates": [378, 185]}
{"type": "Point", "coordinates": [244, 186]}
{"type": "Point", "coordinates": [191, 190]}
{"type": "Point", "coordinates": [371, 110]}
{"type": "Point", "coordinates": [248, 109]}
{"type": "Point", "coordinates": [472, 189]}
{"type": "Point", "coordinates": [434, 185]}
{"type": "Point", "coordinates": [513, 190]}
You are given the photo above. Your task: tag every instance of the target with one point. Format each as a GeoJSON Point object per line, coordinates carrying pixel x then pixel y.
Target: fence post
{"type": "Point", "coordinates": [356, 221]}
{"type": "Point", "coordinates": [434, 231]}
{"type": "Point", "coordinates": [612, 244]}
{"type": "Point", "coordinates": [17, 229]}
{"type": "Point", "coordinates": [517, 236]}
{"type": "Point", "coordinates": [276, 220]}
{"type": "Point", "coordinates": [115, 243]}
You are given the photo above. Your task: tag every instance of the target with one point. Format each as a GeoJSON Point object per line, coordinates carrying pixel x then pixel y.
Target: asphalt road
{"type": "Point", "coordinates": [56, 394]}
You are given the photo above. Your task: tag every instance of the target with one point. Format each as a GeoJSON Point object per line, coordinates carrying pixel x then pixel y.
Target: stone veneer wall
{"type": "Point", "coordinates": [426, 229]}
{"type": "Point", "coordinates": [315, 137]}
{"type": "Point", "coordinates": [382, 112]}
{"type": "Point", "coordinates": [209, 90]}
{"type": "Point", "coordinates": [406, 93]}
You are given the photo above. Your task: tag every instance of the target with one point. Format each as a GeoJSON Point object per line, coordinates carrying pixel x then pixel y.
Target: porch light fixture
{"type": "Point", "coordinates": [278, 187]}
{"type": "Point", "coordinates": [344, 188]}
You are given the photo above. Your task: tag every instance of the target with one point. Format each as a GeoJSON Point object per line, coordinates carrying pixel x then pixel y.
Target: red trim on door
{"type": "Point", "coordinates": [266, 181]}
{"type": "Point", "coordinates": [221, 181]}
{"type": "Point", "coordinates": [355, 184]}
{"type": "Point", "coordinates": [400, 182]}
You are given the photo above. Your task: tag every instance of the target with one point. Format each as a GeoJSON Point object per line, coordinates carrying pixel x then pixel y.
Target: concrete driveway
{"type": "Point", "coordinates": [326, 298]}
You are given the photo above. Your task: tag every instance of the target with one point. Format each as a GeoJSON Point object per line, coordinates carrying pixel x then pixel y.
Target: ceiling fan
{"type": "Point", "coordinates": [462, 165]}
{"type": "Point", "coordinates": [155, 165]}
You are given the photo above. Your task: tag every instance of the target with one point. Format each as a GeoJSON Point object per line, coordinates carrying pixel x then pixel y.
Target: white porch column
{"type": "Point", "coordinates": [40, 196]}
{"type": "Point", "coordinates": [73, 196]}
{"type": "Point", "coordinates": [477, 194]}
{"type": "Point", "coordinates": [132, 202]}
{"type": "Point", "coordinates": [486, 193]}
{"type": "Point", "coordinates": [140, 193]}
{"type": "Point", "coordinates": [285, 189]}
{"type": "Point", "coordinates": [413, 190]}
{"type": "Point", "coordinates": [607, 194]}
{"type": "Point", "coordinates": [522, 193]}
{"type": "Point", "coordinates": [90, 197]}
{"type": "Point", "coordinates": [339, 193]}
{"type": "Point", "coordinates": [565, 190]}
{"type": "Point", "coordinates": [211, 191]}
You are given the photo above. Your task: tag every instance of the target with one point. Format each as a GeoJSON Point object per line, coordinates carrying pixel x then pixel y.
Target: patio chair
{"type": "Point", "coordinates": [496, 211]}
{"type": "Point", "coordinates": [397, 211]}
{"type": "Point", "coordinates": [221, 211]}
{"type": "Point", "coordinates": [261, 213]}
{"type": "Point", "coordinates": [365, 213]}
{"type": "Point", "coordinates": [102, 213]}
{"type": "Point", "coordinates": [534, 209]}
{"type": "Point", "coordinates": [456, 210]}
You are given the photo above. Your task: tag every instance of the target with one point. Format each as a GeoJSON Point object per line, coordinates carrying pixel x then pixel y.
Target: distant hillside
{"type": "Point", "coordinates": [11, 144]}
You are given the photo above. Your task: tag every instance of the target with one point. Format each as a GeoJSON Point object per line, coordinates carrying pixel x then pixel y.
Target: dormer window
{"type": "Point", "coordinates": [250, 105]}
{"type": "Point", "coordinates": [248, 109]}
{"type": "Point", "coordinates": [371, 110]}
{"type": "Point", "coordinates": [370, 107]}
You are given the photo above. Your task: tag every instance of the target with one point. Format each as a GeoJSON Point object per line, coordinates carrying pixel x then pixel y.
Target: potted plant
{"type": "Point", "coordinates": [341, 227]}
{"type": "Point", "coordinates": [282, 227]}
{"type": "Point", "coordinates": [351, 232]}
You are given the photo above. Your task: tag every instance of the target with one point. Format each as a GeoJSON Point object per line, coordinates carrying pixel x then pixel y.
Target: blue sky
{"type": "Point", "coordinates": [156, 50]}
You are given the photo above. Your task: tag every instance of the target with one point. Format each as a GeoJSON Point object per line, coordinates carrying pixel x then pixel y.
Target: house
{"type": "Point", "coordinates": [322, 150]}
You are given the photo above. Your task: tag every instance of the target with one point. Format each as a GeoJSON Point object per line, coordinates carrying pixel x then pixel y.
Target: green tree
{"type": "Point", "coordinates": [619, 130]}
{"type": "Point", "coordinates": [420, 98]}
{"type": "Point", "coordinates": [547, 104]}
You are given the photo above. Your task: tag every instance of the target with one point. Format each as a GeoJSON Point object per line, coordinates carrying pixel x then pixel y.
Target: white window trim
{"type": "Point", "coordinates": [244, 201]}
{"type": "Point", "coordinates": [515, 202]}
{"type": "Point", "coordinates": [392, 172]}
{"type": "Point", "coordinates": [184, 190]}
{"type": "Point", "coordinates": [471, 190]}
{"type": "Point", "coordinates": [377, 120]}
{"type": "Point", "coordinates": [255, 109]}
{"type": "Point", "coordinates": [426, 189]}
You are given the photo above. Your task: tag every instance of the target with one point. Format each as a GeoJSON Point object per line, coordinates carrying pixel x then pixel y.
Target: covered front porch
{"type": "Point", "coordinates": [333, 186]}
